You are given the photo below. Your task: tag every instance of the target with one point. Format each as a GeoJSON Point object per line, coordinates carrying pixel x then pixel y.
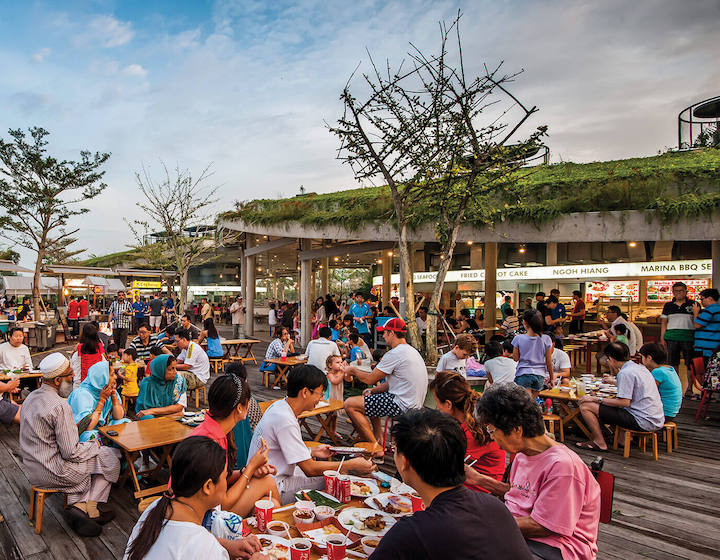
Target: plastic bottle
{"type": "Point", "coordinates": [548, 406]}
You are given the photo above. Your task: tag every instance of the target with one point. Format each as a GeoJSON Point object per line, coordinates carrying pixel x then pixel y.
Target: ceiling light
{"type": "Point", "coordinates": [469, 242]}
{"type": "Point", "coordinates": [336, 259]}
{"type": "Point", "coordinates": [379, 261]}
{"type": "Point", "coordinates": [633, 244]}
{"type": "Point", "coordinates": [390, 253]}
{"type": "Point", "coordinates": [521, 249]}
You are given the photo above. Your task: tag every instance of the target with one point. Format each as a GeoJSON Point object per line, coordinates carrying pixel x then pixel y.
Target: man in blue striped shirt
{"type": "Point", "coordinates": [707, 323]}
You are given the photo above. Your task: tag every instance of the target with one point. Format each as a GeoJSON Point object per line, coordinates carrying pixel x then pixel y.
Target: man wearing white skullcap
{"type": "Point", "coordinates": [54, 457]}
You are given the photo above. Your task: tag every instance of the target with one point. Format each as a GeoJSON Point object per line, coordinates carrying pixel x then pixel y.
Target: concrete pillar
{"type": "Point", "coordinates": [324, 276]}
{"type": "Point", "coordinates": [313, 284]}
{"type": "Point", "coordinates": [387, 267]}
{"type": "Point", "coordinates": [243, 270]}
{"type": "Point", "coordinates": [248, 284]}
{"type": "Point", "coordinates": [715, 264]}
{"type": "Point", "coordinates": [550, 260]}
{"type": "Point", "coordinates": [418, 250]}
{"type": "Point", "coordinates": [306, 279]}
{"type": "Point", "coordinates": [491, 252]}
{"type": "Point", "coordinates": [476, 253]}
{"type": "Point", "coordinates": [403, 294]}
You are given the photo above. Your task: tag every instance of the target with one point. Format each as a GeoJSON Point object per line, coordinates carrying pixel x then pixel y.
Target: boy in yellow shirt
{"type": "Point", "coordinates": [130, 375]}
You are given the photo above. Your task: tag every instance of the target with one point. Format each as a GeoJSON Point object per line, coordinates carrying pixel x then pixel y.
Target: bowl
{"type": "Point", "coordinates": [369, 544]}
{"type": "Point", "coordinates": [303, 516]}
{"type": "Point", "coordinates": [278, 529]}
{"type": "Point", "coordinates": [565, 389]}
{"type": "Point", "coordinates": [323, 512]}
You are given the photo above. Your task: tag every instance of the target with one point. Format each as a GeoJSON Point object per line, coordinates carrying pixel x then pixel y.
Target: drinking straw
{"type": "Point", "coordinates": [341, 464]}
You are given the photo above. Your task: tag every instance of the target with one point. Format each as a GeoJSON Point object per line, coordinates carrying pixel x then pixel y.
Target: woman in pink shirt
{"type": "Point", "coordinates": [551, 493]}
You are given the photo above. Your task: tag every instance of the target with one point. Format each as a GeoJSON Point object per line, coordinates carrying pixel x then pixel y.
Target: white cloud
{"type": "Point", "coordinates": [135, 70]}
{"type": "Point", "coordinates": [41, 55]}
{"type": "Point", "coordinates": [110, 31]}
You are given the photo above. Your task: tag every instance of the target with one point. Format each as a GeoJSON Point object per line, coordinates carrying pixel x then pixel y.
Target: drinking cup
{"type": "Point", "coordinates": [263, 514]}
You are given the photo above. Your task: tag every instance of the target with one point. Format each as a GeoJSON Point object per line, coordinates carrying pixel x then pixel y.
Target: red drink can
{"type": "Point", "coordinates": [330, 482]}
{"type": "Point", "coordinates": [300, 549]}
{"type": "Point", "coordinates": [335, 547]}
{"type": "Point", "coordinates": [263, 514]}
{"type": "Point", "coordinates": [342, 489]}
{"type": "Point", "coordinates": [417, 502]}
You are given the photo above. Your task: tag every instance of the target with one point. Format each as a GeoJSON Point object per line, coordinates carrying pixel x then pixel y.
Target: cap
{"type": "Point", "coordinates": [53, 365]}
{"type": "Point", "coordinates": [395, 324]}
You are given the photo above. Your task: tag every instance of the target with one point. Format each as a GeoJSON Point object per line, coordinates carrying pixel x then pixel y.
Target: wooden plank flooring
{"type": "Point", "coordinates": [665, 510]}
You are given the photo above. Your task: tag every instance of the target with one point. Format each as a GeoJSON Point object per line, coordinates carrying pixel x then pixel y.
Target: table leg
{"type": "Point", "coordinates": [325, 427]}
{"type": "Point", "coordinates": [571, 415]}
{"type": "Point", "coordinates": [313, 435]}
{"type": "Point", "coordinates": [588, 357]}
{"type": "Point", "coordinates": [130, 471]}
{"type": "Point", "coordinates": [280, 375]}
{"type": "Point", "coordinates": [249, 355]}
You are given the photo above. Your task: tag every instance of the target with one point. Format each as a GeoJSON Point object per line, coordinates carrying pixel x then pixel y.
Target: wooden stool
{"type": "Point", "coordinates": [147, 502]}
{"type": "Point", "coordinates": [197, 395]}
{"type": "Point", "coordinates": [551, 419]}
{"type": "Point", "coordinates": [37, 510]}
{"type": "Point", "coordinates": [217, 364]}
{"type": "Point", "coordinates": [643, 437]}
{"type": "Point", "coordinates": [670, 434]}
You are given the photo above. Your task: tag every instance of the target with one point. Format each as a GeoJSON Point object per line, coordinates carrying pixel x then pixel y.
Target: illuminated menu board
{"type": "Point", "coordinates": [661, 290]}
{"type": "Point", "coordinates": [628, 291]}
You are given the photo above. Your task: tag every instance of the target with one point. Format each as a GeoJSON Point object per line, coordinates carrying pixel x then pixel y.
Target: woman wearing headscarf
{"type": "Point", "coordinates": [96, 403]}
{"type": "Point", "coordinates": [163, 392]}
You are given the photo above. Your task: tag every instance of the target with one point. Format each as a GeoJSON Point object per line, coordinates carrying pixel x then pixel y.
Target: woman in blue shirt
{"type": "Point", "coordinates": [210, 335]}
{"type": "Point", "coordinates": [654, 357]}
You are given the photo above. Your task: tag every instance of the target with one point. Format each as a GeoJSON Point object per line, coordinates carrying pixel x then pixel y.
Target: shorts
{"type": "Point", "coordinates": [529, 381]}
{"type": "Point", "coordinates": [617, 417]}
{"type": "Point", "coordinates": [8, 410]}
{"type": "Point", "coordinates": [155, 321]}
{"type": "Point", "coordinates": [193, 382]}
{"type": "Point", "coordinates": [380, 405]}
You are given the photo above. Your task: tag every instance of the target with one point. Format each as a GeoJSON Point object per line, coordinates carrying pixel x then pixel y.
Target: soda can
{"type": "Point", "coordinates": [343, 489]}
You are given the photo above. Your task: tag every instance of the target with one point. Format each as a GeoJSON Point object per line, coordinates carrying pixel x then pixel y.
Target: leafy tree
{"type": "Point", "coordinates": [40, 195]}
{"type": "Point", "coordinates": [439, 139]}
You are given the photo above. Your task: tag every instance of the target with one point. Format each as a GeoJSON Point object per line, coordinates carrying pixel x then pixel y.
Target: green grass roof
{"type": "Point", "coordinates": [674, 185]}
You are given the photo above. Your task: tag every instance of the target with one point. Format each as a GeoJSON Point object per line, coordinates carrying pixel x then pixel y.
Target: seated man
{"type": "Point", "coordinates": [13, 353]}
{"type": "Point", "coordinates": [552, 494]}
{"type": "Point", "coordinates": [457, 523]}
{"type": "Point", "coordinates": [655, 357]}
{"type": "Point", "coordinates": [405, 385]}
{"type": "Point", "coordinates": [53, 456]}
{"type": "Point", "coordinates": [192, 363]}
{"type": "Point", "coordinates": [318, 350]}
{"type": "Point", "coordinates": [296, 464]}
{"type": "Point", "coordinates": [186, 324]}
{"type": "Point", "coordinates": [144, 342]}
{"type": "Point", "coordinates": [560, 359]}
{"type": "Point", "coordinates": [637, 405]}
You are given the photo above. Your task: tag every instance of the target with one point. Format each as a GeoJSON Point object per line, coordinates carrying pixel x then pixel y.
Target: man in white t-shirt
{"type": "Point", "coordinates": [499, 366]}
{"type": "Point", "coordinates": [272, 318]}
{"type": "Point", "coordinates": [318, 350]}
{"type": "Point", "coordinates": [296, 464]}
{"type": "Point", "coordinates": [192, 363]}
{"type": "Point", "coordinates": [405, 385]}
{"type": "Point", "coordinates": [237, 312]}
{"type": "Point", "coordinates": [455, 359]}
{"type": "Point", "coordinates": [14, 354]}
{"type": "Point", "coordinates": [560, 359]}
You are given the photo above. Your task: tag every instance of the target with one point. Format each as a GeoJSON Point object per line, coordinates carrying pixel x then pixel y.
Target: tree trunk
{"type": "Point", "coordinates": [434, 306]}
{"type": "Point", "coordinates": [36, 286]}
{"type": "Point", "coordinates": [183, 291]}
{"type": "Point", "coordinates": [406, 263]}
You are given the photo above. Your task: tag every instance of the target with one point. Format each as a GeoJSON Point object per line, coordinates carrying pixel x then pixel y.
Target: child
{"type": "Point", "coordinates": [500, 366]}
{"type": "Point", "coordinates": [455, 359]}
{"type": "Point", "coordinates": [355, 353]}
{"type": "Point", "coordinates": [129, 375]}
{"type": "Point", "coordinates": [154, 353]}
{"type": "Point", "coordinates": [111, 353]}
{"type": "Point", "coordinates": [654, 357]}
{"type": "Point", "coordinates": [335, 371]}
{"type": "Point", "coordinates": [620, 335]}
{"type": "Point", "coordinates": [335, 336]}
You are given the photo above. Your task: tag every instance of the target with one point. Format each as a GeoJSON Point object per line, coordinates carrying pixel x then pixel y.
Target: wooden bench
{"type": "Point", "coordinates": [197, 395]}
{"type": "Point", "coordinates": [670, 435]}
{"type": "Point", "coordinates": [642, 440]}
{"type": "Point", "coordinates": [217, 364]}
{"type": "Point", "coordinates": [37, 505]}
{"type": "Point", "coordinates": [551, 419]}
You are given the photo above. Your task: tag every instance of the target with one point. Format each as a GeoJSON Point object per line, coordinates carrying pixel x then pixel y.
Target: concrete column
{"type": "Point", "coordinates": [313, 284]}
{"type": "Point", "coordinates": [248, 280]}
{"type": "Point", "coordinates": [476, 252]}
{"type": "Point", "coordinates": [324, 276]}
{"type": "Point", "coordinates": [418, 250]}
{"type": "Point", "coordinates": [491, 252]}
{"type": "Point", "coordinates": [387, 267]}
{"type": "Point", "coordinates": [550, 260]}
{"type": "Point", "coordinates": [306, 279]}
{"type": "Point", "coordinates": [243, 288]}
{"type": "Point", "coordinates": [403, 294]}
{"type": "Point", "coordinates": [715, 264]}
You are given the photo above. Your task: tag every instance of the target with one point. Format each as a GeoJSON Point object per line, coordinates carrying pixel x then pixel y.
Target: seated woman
{"type": "Point", "coordinates": [172, 527]}
{"type": "Point", "coordinates": [96, 403]}
{"type": "Point", "coordinates": [467, 323]}
{"type": "Point", "coordinates": [229, 397]}
{"type": "Point", "coordinates": [243, 430]}
{"type": "Point", "coordinates": [210, 335]}
{"type": "Point", "coordinates": [454, 396]}
{"type": "Point", "coordinates": [552, 494]}
{"type": "Point", "coordinates": [283, 343]}
{"type": "Point", "coordinates": [163, 392]}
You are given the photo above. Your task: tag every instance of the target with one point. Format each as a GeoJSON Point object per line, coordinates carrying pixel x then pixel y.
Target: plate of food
{"type": "Point", "coordinates": [397, 487]}
{"type": "Point", "coordinates": [363, 487]}
{"type": "Point", "coordinates": [319, 531]}
{"type": "Point", "coordinates": [365, 521]}
{"type": "Point", "coordinates": [274, 547]}
{"type": "Point", "coordinates": [318, 498]}
{"type": "Point", "coordinates": [391, 504]}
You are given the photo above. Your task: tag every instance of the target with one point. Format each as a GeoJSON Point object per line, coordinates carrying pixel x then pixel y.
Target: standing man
{"type": "Point", "coordinates": [206, 311]}
{"type": "Point", "coordinates": [237, 312]}
{"type": "Point", "coordinates": [362, 314]}
{"type": "Point", "coordinates": [73, 316]}
{"type": "Point", "coordinates": [170, 309]}
{"type": "Point", "coordinates": [677, 331]}
{"type": "Point", "coordinates": [459, 306]}
{"type": "Point", "coordinates": [84, 309]}
{"type": "Point", "coordinates": [707, 323]}
{"type": "Point", "coordinates": [139, 309]}
{"type": "Point", "coordinates": [193, 363]}
{"type": "Point", "coordinates": [156, 307]}
{"type": "Point", "coordinates": [577, 317]}
{"type": "Point", "coordinates": [119, 319]}
{"type": "Point", "coordinates": [505, 307]}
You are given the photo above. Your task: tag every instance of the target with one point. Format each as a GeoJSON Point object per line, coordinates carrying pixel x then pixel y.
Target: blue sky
{"type": "Point", "coordinates": [248, 85]}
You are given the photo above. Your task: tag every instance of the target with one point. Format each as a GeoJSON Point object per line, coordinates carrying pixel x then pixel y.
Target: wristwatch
{"type": "Point", "coordinates": [599, 400]}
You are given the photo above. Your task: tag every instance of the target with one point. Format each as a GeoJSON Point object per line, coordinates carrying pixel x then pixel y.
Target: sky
{"type": "Point", "coordinates": [249, 86]}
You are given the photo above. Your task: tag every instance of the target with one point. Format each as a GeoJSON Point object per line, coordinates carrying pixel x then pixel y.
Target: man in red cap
{"type": "Point", "coordinates": [405, 385]}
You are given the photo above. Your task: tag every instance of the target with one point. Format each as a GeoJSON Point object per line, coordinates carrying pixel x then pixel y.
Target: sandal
{"type": "Point", "coordinates": [591, 445]}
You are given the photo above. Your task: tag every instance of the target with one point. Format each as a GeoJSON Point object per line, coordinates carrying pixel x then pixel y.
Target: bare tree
{"type": "Point", "coordinates": [442, 142]}
{"type": "Point", "coordinates": [178, 210]}
{"type": "Point", "coordinates": [40, 195]}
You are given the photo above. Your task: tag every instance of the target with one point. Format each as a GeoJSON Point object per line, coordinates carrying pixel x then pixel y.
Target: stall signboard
{"type": "Point", "coordinates": [629, 291]}
{"type": "Point", "coordinates": [146, 284]}
{"type": "Point", "coordinates": [580, 272]}
{"type": "Point", "coordinates": [661, 290]}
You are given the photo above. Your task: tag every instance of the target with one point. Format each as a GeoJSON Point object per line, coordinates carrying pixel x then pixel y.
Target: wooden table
{"type": "Point", "coordinates": [32, 374]}
{"type": "Point", "coordinates": [591, 345]}
{"type": "Point", "coordinates": [567, 413]}
{"type": "Point", "coordinates": [323, 413]}
{"type": "Point", "coordinates": [232, 349]}
{"type": "Point", "coordinates": [134, 437]}
{"type": "Point", "coordinates": [283, 368]}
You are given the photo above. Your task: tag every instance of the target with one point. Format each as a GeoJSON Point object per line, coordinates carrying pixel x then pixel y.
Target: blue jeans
{"type": "Point", "coordinates": [532, 382]}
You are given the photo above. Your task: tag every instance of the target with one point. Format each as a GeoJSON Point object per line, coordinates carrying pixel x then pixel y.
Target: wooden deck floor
{"type": "Point", "coordinates": [664, 510]}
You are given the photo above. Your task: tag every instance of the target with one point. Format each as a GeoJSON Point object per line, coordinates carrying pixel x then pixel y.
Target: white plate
{"type": "Point", "coordinates": [395, 499]}
{"type": "Point", "coordinates": [276, 555]}
{"type": "Point", "coordinates": [318, 536]}
{"type": "Point", "coordinates": [369, 482]}
{"type": "Point", "coordinates": [352, 518]}
{"type": "Point", "coordinates": [397, 487]}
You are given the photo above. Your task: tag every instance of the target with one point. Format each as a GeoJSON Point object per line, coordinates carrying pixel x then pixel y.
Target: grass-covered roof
{"type": "Point", "coordinates": [674, 184]}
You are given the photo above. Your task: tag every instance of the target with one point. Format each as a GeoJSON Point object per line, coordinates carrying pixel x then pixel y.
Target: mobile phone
{"type": "Point", "coordinates": [112, 433]}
